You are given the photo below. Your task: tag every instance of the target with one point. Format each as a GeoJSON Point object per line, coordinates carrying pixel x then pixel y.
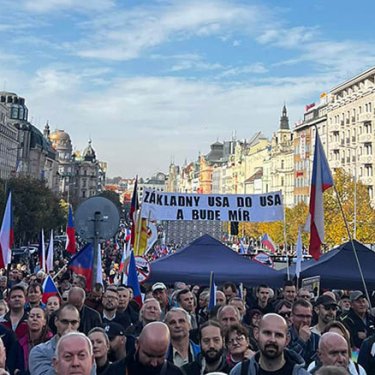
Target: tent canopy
{"type": "Point", "coordinates": [196, 261]}
{"type": "Point", "coordinates": [338, 268]}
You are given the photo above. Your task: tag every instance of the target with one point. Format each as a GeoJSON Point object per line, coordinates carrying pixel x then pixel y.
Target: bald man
{"type": "Point", "coordinates": [151, 348]}
{"type": "Point", "coordinates": [333, 351]}
{"type": "Point", "coordinates": [273, 355]}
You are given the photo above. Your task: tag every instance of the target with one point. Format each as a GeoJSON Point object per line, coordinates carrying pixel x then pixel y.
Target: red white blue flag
{"type": "Point", "coordinates": [6, 234]}
{"type": "Point", "coordinates": [267, 242]}
{"type": "Point", "coordinates": [82, 263]}
{"type": "Point", "coordinates": [71, 246]}
{"type": "Point", "coordinates": [321, 180]}
{"type": "Point", "coordinates": [133, 279]}
{"type": "Point", "coordinates": [49, 289]}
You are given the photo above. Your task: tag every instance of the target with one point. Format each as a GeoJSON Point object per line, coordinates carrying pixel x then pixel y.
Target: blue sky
{"type": "Point", "coordinates": [155, 81]}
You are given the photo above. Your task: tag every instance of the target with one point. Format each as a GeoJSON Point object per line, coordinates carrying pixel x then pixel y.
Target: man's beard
{"type": "Point", "coordinates": [271, 351]}
{"type": "Point", "coordinates": [147, 370]}
{"type": "Point", "coordinates": [212, 355]}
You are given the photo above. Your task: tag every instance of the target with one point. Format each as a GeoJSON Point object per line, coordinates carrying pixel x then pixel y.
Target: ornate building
{"type": "Point", "coordinates": [81, 175]}
{"type": "Point", "coordinates": [282, 161]}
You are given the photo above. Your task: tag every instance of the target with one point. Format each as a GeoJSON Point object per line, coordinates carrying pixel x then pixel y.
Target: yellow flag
{"type": "Point", "coordinates": [141, 238]}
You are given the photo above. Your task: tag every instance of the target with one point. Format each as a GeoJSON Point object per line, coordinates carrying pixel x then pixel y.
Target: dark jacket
{"type": "Point", "coordinates": [194, 350]}
{"type": "Point", "coordinates": [307, 350]}
{"type": "Point", "coordinates": [89, 319]}
{"type": "Point", "coordinates": [253, 364]}
{"type": "Point", "coordinates": [355, 324]}
{"type": "Point", "coordinates": [133, 367]}
{"type": "Point", "coordinates": [365, 358]}
{"type": "Point", "coordinates": [119, 318]}
{"type": "Point", "coordinates": [14, 352]}
{"type": "Point", "coordinates": [195, 368]}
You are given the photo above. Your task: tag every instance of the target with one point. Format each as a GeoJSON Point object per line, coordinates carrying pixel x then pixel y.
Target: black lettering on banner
{"type": "Point", "coordinates": [277, 200]}
{"type": "Point", "coordinates": [270, 200]}
{"type": "Point", "coordinates": [244, 202]}
{"type": "Point", "coordinates": [232, 215]}
{"type": "Point", "coordinates": [159, 200]}
{"type": "Point", "coordinates": [152, 197]}
{"type": "Point", "coordinates": [211, 201]}
{"type": "Point", "coordinates": [206, 214]}
{"type": "Point", "coordinates": [145, 199]}
{"type": "Point", "coordinates": [173, 201]}
{"type": "Point", "coordinates": [180, 214]}
{"type": "Point", "coordinates": [225, 202]}
{"type": "Point", "coordinates": [194, 215]}
{"type": "Point", "coordinates": [196, 200]}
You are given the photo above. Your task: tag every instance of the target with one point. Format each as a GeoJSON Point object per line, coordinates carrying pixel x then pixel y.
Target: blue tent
{"type": "Point", "coordinates": [338, 268]}
{"type": "Point", "coordinates": [194, 263]}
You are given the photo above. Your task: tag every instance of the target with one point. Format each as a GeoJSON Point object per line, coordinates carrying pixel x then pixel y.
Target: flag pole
{"type": "Point", "coordinates": [353, 246]}
{"type": "Point", "coordinates": [285, 246]}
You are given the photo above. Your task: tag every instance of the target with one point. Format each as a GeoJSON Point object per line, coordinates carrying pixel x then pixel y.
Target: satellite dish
{"type": "Point", "coordinates": [97, 218]}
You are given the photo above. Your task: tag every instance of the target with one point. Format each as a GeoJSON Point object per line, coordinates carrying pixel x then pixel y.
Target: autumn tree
{"type": "Point", "coordinates": [34, 207]}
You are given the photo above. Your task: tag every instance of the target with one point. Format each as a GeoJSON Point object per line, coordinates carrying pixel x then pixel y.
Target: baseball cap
{"type": "Point", "coordinates": [325, 300]}
{"type": "Point", "coordinates": [114, 329]}
{"type": "Point", "coordinates": [158, 286]}
{"type": "Point", "coordinates": [356, 294]}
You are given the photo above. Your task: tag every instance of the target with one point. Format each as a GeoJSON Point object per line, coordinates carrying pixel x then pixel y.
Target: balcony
{"type": "Point", "coordinates": [367, 180]}
{"type": "Point", "coordinates": [335, 127]}
{"type": "Point", "coordinates": [365, 138]}
{"type": "Point", "coordinates": [335, 164]}
{"type": "Point", "coordinates": [363, 117]}
{"type": "Point", "coordinates": [335, 145]}
{"type": "Point", "coordinates": [366, 159]}
{"type": "Point", "coordinates": [353, 118]}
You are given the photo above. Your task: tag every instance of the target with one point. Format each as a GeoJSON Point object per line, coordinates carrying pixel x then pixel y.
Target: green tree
{"type": "Point", "coordinates": [34, 207]}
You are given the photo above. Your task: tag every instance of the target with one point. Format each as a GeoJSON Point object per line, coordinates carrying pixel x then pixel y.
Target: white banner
{"type": "Point", "coordinates": [158, 205]}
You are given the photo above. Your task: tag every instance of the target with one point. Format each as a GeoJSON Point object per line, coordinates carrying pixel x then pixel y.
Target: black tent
{"type": "Point", "coordinates": [338, 268]}
{"type": "Point", "coordinates": [194, 263]}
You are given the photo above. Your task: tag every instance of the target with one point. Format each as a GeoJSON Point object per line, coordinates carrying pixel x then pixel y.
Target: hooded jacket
{"type": "Point", "coordinates": [290, 357]}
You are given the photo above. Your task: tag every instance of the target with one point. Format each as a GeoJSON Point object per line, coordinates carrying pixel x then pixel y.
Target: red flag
{"type": "Point", "coordinates": [133, 211]}
{"type": "Point", "coordinates": [321, 180]}
{"type": "Point", "coordinates": [70, 246]}
{"type": "Point", "coordinates": [6, 234]}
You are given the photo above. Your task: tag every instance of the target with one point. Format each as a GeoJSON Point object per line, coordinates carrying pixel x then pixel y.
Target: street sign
{"type": "Point", "coordinates": [264, 259]}
{"type": "Point", "coordinates": [143, 269]}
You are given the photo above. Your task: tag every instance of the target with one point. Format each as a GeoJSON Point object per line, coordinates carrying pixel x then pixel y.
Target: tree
{"type": "Point", "coordinates": [336, 232]}
{"type": "Point", "coordinates": [34, 207]}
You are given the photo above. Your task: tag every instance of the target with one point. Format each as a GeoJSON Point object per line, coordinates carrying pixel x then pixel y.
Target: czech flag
{"type": "Point", "coordinates": [71, 246]}
{"type": "Point", "coordinates": [213, 289]}
{"type": "Point", "coordinates": [267, 242]}
{"type": "Point", "coordinates": [6, 234]}
{"type": "Point", "coordinates": [49, 289]}
{"type": "Point", "coordinates": [133, 211]}
{"type": "Point", "coordinates": [82, 263]}
{"type": "Point", "coordinates": [133, 279]}
{"type": "Point", "coordinates": [321, 180]}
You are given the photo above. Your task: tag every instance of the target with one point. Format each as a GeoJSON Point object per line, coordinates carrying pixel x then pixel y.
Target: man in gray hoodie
{"type": "Point", "coordinates": [273, 355]}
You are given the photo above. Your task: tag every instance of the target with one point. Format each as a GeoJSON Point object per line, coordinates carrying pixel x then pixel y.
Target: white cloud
{"type": "Point", "coordinates": [124, 35]}
{"type": "Point", "coordinates": [256, 68]}
{"type": "Point", "coordinates": [47, 6]}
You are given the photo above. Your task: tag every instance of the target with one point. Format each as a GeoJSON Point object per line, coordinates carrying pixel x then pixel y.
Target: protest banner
{"type": "Point", "coordinates": [312, 284]}
{"type": "Point", "coordinates": [266, 207]}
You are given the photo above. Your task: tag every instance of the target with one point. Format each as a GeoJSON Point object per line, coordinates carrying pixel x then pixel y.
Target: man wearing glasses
{"type": "Point", "coordinates": [110, 303]}
{"type": "Point", "coordinates": [326, 309]}
{"type": "Point", "coordinates": [302, 340]}
{"type": "Point", "coordinates": [40, 358]}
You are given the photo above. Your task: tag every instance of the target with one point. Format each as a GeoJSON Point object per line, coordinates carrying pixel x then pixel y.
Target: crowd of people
{"type": "Point", "coordinates": [176, 330]}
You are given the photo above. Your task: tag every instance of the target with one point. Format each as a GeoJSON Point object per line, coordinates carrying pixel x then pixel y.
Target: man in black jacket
{"type": "Point", "coordinates": [212, 357]}
{"type": "Point", "coordinates": [151, 348]}
{"type": "Point", "coordinates": [89, 317]}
